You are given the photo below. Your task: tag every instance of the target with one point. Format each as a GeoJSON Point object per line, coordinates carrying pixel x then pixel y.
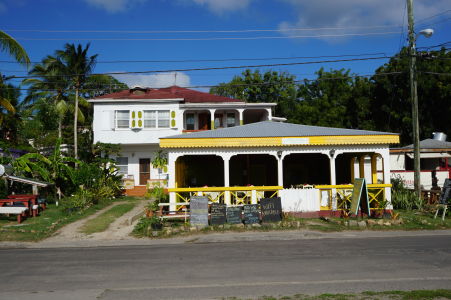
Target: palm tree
{"type": "Point", "coordinates": [78, 66]}
{"type": "Point", "coordinates": [12, 47]}
{"type": "Point", "coordinates": [50, 86]}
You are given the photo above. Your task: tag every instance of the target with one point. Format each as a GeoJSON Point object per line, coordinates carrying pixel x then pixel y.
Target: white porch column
{"type": "Point", "coordinates": [212, 118]}
{"type": "Point", "coordinates": [226, 159]}
{"type": "Point", "coordinates": [333, 178]}
{"type": "Point", "coordinates": [240, 116]}
{"type": "Point", "coordinates": [172, 158]}
{"type": "Point", "coordinates": [279, 168]}
{"type": "Point", "coordinates": [269, 114]}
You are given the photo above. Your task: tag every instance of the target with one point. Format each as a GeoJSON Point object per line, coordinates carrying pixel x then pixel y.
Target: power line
{"type": "Point", "coordinates": [215, 68]}
{"type": "Point", "coordinates": [220, 60]}
{"type": "Point", "coordinates": [214, 38]}
{"type": "Point", "coordinates": [438, 22]}
{"type": "Point", "coordinates": [201, 31]}
{"type": "Point", "coordinates": [433, 16]}
{"type": "Point", "coordinates": [246, 84]}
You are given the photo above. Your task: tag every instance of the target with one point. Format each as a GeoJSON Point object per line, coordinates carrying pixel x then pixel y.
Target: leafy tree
{"type": "Point", "coordinates": [392, 109]}
{"type": "Point", "coordinates": [10, 119]}
{"type": "Point", "coordinates": [335, 99]}
{"type": "Point", "coordinates": [252, 86]}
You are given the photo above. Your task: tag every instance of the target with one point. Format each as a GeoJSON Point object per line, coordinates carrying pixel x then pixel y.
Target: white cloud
{"type": "Point", "coordinates": [222, 6]}
{"type": "Point", "coordinates": [155, 80]}
{"type": "Point", "coordinates": [114, 6]}
{"type": "Point", "coordinates": [355, 13]}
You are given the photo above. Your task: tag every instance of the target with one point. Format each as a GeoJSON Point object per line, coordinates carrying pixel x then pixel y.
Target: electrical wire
{"type": "Point", "coordinates": [220, 60]}
{"type": "Point", "coordinates": [214, 68]}
{"type": "Point", "coordinates": [201, 31]}
{"type": "Point", "coordinates": [249, 84]}
{"type": "Point", "coordinates": [214, 38]}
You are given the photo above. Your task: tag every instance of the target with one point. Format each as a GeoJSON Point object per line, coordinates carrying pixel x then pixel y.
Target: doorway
{"type": "Point", "coordinates": [144, 170]}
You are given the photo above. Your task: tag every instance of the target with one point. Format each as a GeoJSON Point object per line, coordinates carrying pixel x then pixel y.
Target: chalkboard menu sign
{"type": "Point", "coordinates": [271, 209]}
{"type": "Point", "coordinates": [251, 214]}
{"type": "Point", "coordinates": [360, 197]}
{"type": "Point", "coordinates": [217, 214]}
{"type": "Point", "coordinates": [234, 215]}
{"type": "Point", "coordinates": [199, 211]}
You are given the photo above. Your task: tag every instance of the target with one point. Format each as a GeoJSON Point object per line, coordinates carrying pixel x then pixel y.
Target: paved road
{"type": "Point", "coordinates": [212, 270]}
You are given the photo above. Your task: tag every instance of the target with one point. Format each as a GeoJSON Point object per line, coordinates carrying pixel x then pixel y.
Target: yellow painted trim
{"type": "Point", "coordinates": [276, 141]}
{"type": "Point", "coordinates": [241, 122]}
{"type": "Point", "coordinates": [220, 189]}
{"type": "Point", "coordinates": [212, 124]}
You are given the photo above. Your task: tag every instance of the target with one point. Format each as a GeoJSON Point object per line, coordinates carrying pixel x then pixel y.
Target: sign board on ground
{"type": "Point", "coordinates": [251, 214]}
{"type": "Point", "coordinates": [360, 197]}
{"type": "Point", "coordinates": [217, 214]}
{"type": "Point", "coordinates": [271, 209]}
{"type": "Point", "coordinates": [234, 215]}
{"type": "Point", "coordinates": [198, 211]}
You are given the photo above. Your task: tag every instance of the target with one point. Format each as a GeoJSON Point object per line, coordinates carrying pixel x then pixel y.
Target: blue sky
{"type": "Point", "coordinates": [117, 29]}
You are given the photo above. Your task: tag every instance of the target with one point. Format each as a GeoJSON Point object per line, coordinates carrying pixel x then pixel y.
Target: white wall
{"type": "Point", "coordinates": [425, 179]}
{"type": "Point", "coordinates": [397, 161]}
{"type": "Point", "coordinates": [105, 132]}
{"type": "Point", "coordinates": [136, 152]}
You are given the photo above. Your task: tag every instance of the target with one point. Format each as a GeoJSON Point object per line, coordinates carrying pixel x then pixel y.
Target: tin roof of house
{"type": "Point", "coordinates": [173, 92]}
{"type": "Point", "coordinates": [276, 129]}
{"type": "Point", "coordinates": [430, 144]}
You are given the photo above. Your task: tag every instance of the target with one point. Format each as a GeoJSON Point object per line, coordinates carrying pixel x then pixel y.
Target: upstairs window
{"type": "Point", "coordinates": [231, 121]}
{"type": "Point", "coordinates": [150, 119]}
{"type": "Point", "coordinates": [163, 119]}
{"type": "Point", "coordinates": [156, 118]}
{"type": "Point", "coordinates": [189, 121]}
{"type": "Point", "coordinates": [122, 118]}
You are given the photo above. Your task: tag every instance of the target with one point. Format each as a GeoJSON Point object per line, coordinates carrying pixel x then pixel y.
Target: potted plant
{"type": "Point", "coordinates": [155, 223]}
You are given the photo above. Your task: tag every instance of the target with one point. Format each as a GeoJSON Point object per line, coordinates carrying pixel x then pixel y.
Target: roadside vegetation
{"type": "Point", "coordinates": [386, 295]}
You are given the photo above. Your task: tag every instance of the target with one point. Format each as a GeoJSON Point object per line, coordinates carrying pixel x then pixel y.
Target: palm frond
{"type": "Point", "coordinates": [12, 47]}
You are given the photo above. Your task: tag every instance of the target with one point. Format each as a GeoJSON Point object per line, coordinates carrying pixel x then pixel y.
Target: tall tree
{"type": "Point", "coordinates": [78, 66]}
{"type": "Point", "coordinates": [9, 45]}
{"type": "Point", "coordinates": [271, 86]}
{"type": "Point", "coordinates": [392, 107]}
{"type": "Point", "coordinates": [49, 85]}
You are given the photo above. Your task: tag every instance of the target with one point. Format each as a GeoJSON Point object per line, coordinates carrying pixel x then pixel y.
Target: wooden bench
{"type": "Point", "coordinates": [14, 210]}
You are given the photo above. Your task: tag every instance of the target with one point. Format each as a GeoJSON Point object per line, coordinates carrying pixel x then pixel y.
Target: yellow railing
{"type": "Point", "coordinates": [237, 195]}
{"type": "Point", "coordinates": [376, 195]}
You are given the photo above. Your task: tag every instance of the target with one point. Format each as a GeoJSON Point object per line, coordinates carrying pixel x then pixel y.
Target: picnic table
{"type": "Point", "coordinates": [27, 202]}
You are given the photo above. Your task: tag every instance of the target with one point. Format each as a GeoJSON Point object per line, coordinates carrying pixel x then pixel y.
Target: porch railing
{"type": "Point", "coordinates": [237, 195]}
{"type": "Point", "coordinates": [343, 195]}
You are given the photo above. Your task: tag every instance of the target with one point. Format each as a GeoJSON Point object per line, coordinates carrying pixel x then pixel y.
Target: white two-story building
{"type": "Point", "coordinates": [138, 117]}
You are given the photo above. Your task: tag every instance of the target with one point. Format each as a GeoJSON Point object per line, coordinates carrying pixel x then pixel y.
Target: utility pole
{"type": "Point", "coordinates": [414, 99]}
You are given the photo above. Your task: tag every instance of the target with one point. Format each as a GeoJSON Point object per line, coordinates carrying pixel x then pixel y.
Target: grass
{"type": "Point", "coordinates": [394, 295]}
{"type": "Point", "coordinates": [101, 222]}
{"type": "Point", "coordinates": [46, 224]}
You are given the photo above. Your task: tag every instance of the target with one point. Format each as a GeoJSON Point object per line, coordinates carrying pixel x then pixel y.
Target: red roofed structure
{"type": "Point", "coordinates": [138, 117]}
{"type": "Point", "coordinates": [173, 92]}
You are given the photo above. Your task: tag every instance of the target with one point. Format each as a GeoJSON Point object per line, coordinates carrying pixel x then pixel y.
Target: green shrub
{"type": "Point", "coordinates": [403, 198]}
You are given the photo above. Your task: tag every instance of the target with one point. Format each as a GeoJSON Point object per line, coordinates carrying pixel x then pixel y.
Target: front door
{"type": "Point", "coordinates": [144, 170]}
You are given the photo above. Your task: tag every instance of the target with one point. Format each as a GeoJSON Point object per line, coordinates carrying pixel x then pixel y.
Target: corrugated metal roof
{"type": "Point", "coordinates": [431, 144]}
{"type": "Point", "coordinates": [276, 129]}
